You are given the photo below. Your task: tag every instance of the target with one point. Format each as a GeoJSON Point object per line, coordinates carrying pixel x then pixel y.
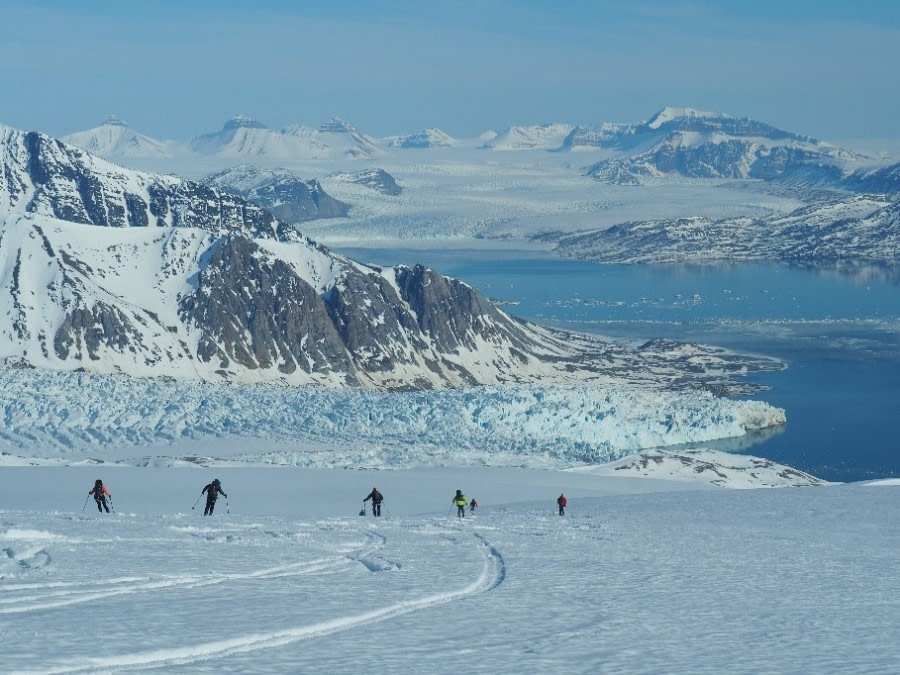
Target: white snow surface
{"type": "Point", "coordinates": [639, 576]}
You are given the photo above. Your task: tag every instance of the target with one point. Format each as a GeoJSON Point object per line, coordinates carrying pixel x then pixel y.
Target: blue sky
{"type": "Point", "coordinates": [174, 70]}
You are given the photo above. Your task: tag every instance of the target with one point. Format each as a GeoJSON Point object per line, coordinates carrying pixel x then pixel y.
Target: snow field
{"type": "Point", "coordinates": [697, 581]}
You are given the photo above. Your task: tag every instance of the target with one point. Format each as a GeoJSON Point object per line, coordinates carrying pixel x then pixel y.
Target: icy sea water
{"type": "Point", "coordinates": [839, 332]}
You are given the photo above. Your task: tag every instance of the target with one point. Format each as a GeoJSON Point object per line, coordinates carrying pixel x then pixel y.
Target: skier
{"type": "Point", "coordinates": [100, 494]}
{"type": "Point", "coordinates": [376, 498]}
{"type": "Point", "coordinates": [473, 505]}
{"type": "Point", "coordinates": [561, 501]}
{"type": "Point", "coordinates": [212, 494]}
{"type": "Point", "coordinates": [460, 500]}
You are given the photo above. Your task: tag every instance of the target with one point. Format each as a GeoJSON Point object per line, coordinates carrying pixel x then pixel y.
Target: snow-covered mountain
{"type": "Point", "coordinates": [244, 137]}
{"type": "Point", "coordinates": [45, 178]}
{"type": "Point", "coordinates": [427, 138]}
{"type": "Point", "coordinates": [280, 191]}
{"type": "Point", "coordinates": [591, 138]}
{"type": "Point", "coordinates": [189, 281]}
{"type": "Point", "coordinates": [342, 139]}
{"type": "Point", "coordinates": [540, 137]}
{"type": "Point", "coordinates": [858, 229]}
{"type": "Point", "coordinates": [881, 180]}
{"type": "Point", "coordinates": [114, 138]}
{"type": "Point", "coordinates": [376, 179]}
{"type": "Point", "coordinates": [686, 142]}
{"type": "Point", "coordinates": [117, 271]}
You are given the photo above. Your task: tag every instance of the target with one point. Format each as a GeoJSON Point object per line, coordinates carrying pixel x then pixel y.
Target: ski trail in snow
{"type": "Point", "coordinates": [64, 598]}
{"type": "Point", "coordinates": [493, 573]}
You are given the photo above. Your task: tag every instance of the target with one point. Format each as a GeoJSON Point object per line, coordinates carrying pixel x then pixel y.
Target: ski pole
{"type": "Point", "coordinates": [390, 515]}
{"type": "Point", "coordinates": [111, 504]}
{"type": "Point", "coordinates": [227, 509]}
{"type": "Point", "coordinates": [85, 503]}
{"type": "Point", "coordinates": [197, 502]}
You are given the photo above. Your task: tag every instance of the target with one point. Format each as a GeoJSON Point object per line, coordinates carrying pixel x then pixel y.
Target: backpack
{"type": "Point", "coordinates": [212, 491]}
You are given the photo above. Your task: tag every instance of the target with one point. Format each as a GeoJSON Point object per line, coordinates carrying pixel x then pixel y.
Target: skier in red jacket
{"type": "Point", "coordinates": [561, 501]}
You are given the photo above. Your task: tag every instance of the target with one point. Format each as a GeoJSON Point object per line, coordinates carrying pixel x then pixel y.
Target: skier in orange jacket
{"type": "Point", "coordinates": [100, 494]}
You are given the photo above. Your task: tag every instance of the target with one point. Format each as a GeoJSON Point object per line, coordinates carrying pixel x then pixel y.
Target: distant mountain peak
{"type": "Point", "coordinates": [670, 113]}
{"type": "Point", "coordinates": [548, 136]}
{"type": "Point", "coordinates": [113, 121]}
{"type": "Point", "coordinates": [336, 125]}
{"type": "Point", "coordinates": [427, 138]}
{"type": "Point", "coordinates": [115, 138]}
{"type": "Point", "coordinates": [242, 122]}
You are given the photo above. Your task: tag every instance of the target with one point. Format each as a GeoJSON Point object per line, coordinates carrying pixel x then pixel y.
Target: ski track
{"type": "Point", "coordinates": [492, 575]}
{"type": "Point", "coordinates": [78, 593]}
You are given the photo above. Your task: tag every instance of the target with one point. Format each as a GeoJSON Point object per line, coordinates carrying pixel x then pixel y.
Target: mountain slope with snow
{"type": "Point", "coordinates": [114, 138]}
{"type": "Point", "coordinates": [854, 230]}
{"type": "Point", "coordinates": [427, 138]}
{"type": "Point", "coordinates": [540, 137]}
{"type": "Point", "coordinates": [244, 137]}
{"type": "Point", "coordinates": [281, 192]}
{"type": "Point", "coordinates": [686, 142]}
{"type": "Point", "coordinates": [118, 271]}
{"type": "Point", "coordinates": [724, 470]}
{"type": "Point", "coordinates": [341, 138]}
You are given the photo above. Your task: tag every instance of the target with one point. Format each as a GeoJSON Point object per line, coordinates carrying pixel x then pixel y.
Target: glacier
{"type": "Point", "coordinates": [102, 418]}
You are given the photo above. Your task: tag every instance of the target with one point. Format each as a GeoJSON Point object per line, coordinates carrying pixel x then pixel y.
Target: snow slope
{"type": "Point", "coordinates": [285, 577]}
{"type": "Point", "coordinates": [541, 137]}
{"type": "Point", "coordinates": [115, 138]}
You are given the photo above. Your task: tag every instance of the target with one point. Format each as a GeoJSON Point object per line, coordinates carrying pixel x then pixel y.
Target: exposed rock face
{"type": "Point", "coordinates": [286, 196]}
{"type": "Point", "coordinates": [261, 315]}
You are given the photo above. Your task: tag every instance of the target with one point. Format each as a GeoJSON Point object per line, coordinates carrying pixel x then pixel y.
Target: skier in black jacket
{"type": "Point", "coordinates": [376, 498]}
{"type": "Point", "coordinates": [212, 494]}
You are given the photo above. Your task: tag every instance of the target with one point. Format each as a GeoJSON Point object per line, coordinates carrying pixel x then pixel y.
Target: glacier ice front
{"type": "Point", "coordinates": [82, 415]}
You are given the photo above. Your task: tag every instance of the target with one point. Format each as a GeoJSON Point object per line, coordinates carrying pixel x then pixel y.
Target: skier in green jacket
{"type": "Point", "coordinates": [460, 500]}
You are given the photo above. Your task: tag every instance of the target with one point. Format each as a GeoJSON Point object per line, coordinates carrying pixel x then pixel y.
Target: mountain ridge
{"type": "Point", "coordinates": [110, 270]}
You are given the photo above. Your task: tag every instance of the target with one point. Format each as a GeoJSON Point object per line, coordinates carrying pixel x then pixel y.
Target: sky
{"type": "Point", "coordinates": [174, 70]}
